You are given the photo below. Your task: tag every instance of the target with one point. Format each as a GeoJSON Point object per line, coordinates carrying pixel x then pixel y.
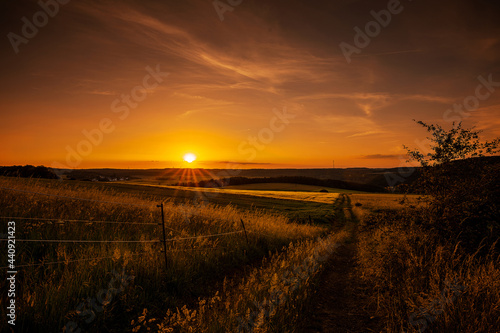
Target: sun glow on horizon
{"type": "Point", "coordinates": [189, 157]}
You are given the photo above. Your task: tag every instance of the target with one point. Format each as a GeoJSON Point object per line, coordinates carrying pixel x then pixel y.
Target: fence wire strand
{"type": "Point", "coordinates": [100, 241]}
{"type": "Point", "coordinates": [76, 198]}
{"type": "Point", "coordinates": [120, 241]}
{"type": "Point", "coordinates": [206, 236]}
{"type": "Point", "coordinates": [81, 241]}
{"type": "Point", "coordinates": [111, 257]}
{"type": "Point", "coordinates": [69, 261]}
{"type": "Point", "coordinates": [76, 221]}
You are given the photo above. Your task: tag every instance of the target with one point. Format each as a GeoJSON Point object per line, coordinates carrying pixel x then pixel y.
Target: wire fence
{"type": "Point", "coordinates": [61, 220]}
{"type": "Point", "coordinates": [77, 198]}
{"type": "Point", "coordinates": [70, 261]}
{"type": "Point", "coordinates": [83, 241]}
{"type": "Point", "coordinates": [206, 236]}
{"type": "Point", "coordinates": [112, 257]}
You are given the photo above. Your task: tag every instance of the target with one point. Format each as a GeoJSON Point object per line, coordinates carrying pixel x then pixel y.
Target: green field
{"type": "Point", "coordinates": [328, 198]}
{"type": "Point", "coordinates": [280, 191]}
{"type": "Point", "coordinates": [288, 187]}
{"type": "Point", "coordinates": [297, 206]}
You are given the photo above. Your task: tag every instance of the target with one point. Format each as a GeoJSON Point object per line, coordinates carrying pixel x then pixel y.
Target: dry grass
{"type": "Point", "coordinates": [365, 204]}
{"type": "Point", "coordinates": [269, 299]}
{"type": "Point", "coordinates": [49, 295]}
{"type": "Point", "coordinates": [418, 285]}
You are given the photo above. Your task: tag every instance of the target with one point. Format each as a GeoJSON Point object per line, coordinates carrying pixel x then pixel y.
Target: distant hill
{"type": "Point", "coordinates": [376, 179]}
{"type": "Point", "coordinates": [28, 171]}
{"type": "Point", "coordinates": [172, 176]}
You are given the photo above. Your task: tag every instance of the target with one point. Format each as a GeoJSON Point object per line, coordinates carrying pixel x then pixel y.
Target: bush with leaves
{"type": "Point", "coordinates": [461, 181]}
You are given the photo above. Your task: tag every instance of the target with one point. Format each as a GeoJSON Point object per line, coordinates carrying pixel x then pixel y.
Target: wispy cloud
{"type": "Point", "coordinates": [486, 119]}
{"type": "Point", "coordinates": [379, 156]}
{"type": "Point", "coordinates": [386, 53]}
{"type": "Point", "coordinates": [365, 133]}
{"type": "Point", "coordinates": [234, 163]}
{"type": "Point", "coordinates": [350, 126]}
{"type": "Point", "coordinates": [101, 92]}
{"type": "Point", "coordinates": [227, 77]}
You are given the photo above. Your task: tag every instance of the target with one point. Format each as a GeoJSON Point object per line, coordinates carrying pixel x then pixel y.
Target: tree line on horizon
{"type": "Point", "coordinates": [28, 171]}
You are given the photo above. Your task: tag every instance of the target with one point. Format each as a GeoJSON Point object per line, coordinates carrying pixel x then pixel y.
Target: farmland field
{"type": "Point", "coordinates": [73, 237]}
{"type": "Point", "coordinates": [288, 187]}
{"type": "Point", "coordinates": [328, 198]}
{"type": "Point", "coordinates": [296, 205]}
{"type": "Point", "coordinates": [276, 193]}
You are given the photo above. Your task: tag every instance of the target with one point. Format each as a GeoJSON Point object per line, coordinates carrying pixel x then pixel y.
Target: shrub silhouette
{"type": "Point", "coordinates": [461, 184]}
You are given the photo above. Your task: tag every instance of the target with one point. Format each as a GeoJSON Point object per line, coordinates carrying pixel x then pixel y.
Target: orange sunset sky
{"type": "Point", "coordinates": [83, 83]}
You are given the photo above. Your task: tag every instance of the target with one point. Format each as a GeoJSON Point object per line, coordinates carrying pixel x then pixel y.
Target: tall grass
{"type": "Point", "coordinates": [421, 283]}
{"type": "Point", "coordinates": [270, 298]}
{"type": "Point", "coordinates": [49, 295]}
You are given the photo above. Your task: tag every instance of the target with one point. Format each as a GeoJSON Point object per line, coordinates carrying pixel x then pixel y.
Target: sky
{"type": "Point", "coordinates": [252, 84]}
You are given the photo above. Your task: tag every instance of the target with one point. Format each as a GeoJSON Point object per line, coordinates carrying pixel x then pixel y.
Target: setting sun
{"type": "Point", "coordinates": [189, 157]}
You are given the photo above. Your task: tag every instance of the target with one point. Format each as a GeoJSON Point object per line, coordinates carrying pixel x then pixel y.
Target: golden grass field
{"type": "Point", "coordinates": [275, 194]}
{"type": "Point", "coordinates": [288, 195]}
{"type": "Point", "coordinates": [224, 283]}
{"type": "Point", "coordinates": [195, 265]}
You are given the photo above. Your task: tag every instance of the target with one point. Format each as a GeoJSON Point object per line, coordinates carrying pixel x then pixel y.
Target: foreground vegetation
{"type": "Point", "coordinates": [434, 266]}
{"type": "Point", "coordinates": [51, 296]}
{"type": "Point", "coordinates": [418, 281]}
{"type": "Point", "coordinates": [270, 298]}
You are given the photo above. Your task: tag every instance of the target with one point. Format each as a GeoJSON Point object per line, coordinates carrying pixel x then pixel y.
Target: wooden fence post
{"type": "Point", "coordinates": [164, 235]}
{"type": "Point", "coordinates": [246, 237]}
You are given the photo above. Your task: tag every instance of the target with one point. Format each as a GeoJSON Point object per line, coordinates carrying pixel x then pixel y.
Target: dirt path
{"type": "Point", "coordinates": [339, 304]}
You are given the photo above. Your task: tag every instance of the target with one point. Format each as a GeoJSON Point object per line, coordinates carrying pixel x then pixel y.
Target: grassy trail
{"type": "Point", "coordinates": [339, 304]}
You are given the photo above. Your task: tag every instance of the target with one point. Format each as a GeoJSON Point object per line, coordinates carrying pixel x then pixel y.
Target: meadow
{"type": "Point", "coordinates": [328, 198]}
{"type": "Point", "coordinates": [99, 266]}
{"type": "Point", "coordinates": [267, 190]}
{"type": "Point", "coordinates": [118, 231]}
{"type": "Point", "coordinates": [285, 187]}
{"type": "Point", "coordinates": [299, 206]}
